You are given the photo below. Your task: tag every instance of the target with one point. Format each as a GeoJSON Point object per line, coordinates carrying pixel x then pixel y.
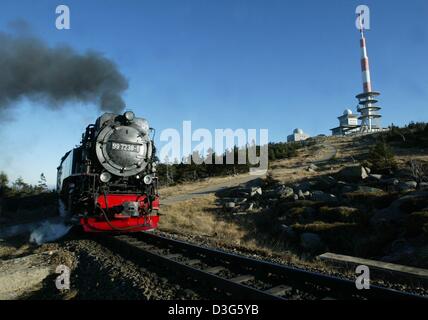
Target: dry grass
{"type": "Point", "coordinates": [203, 217]}
{"type": "Point", "coordinates": [199, 216]}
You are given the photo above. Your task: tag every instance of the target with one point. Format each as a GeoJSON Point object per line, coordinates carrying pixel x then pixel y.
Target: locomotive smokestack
{"type": "Point", "coordinates": [30, 69]}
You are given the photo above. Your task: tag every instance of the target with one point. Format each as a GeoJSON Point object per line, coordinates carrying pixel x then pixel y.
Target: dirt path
{"type": "Point", "coordinates": [212, 188]}
{"type": "Point", "coordinates": [326, 153]}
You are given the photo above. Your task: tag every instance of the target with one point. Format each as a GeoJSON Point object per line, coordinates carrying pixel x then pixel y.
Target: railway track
{"type": "Point", "coordinates": [234, 276]}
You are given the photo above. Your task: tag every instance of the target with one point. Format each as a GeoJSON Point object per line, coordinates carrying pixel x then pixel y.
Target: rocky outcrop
{"type": "Point", "coordinates": [323, 197]}
{"type": "Point", "coordinates": [395, 213]}
{"type": "Point", "coordinates": [354, 173]}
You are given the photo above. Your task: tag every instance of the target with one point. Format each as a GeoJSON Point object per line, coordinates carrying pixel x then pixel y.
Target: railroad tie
{"type": "Point", "coordinates": [193, 262]}
{"type": "Point", "coordinates": [214, 270]}
{"type": "Point", "coordinates": [145, 246]}
{"type": "Point", "coordinates": [173, 256]}
{"type": "Point", "coordinates": [243, 278]}
{"type": "Point", "coordinates": [279, 290]}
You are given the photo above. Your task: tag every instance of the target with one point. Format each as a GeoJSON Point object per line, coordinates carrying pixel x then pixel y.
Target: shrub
{"type": "Point", "coordinates": [381, 158]}
{"type": "Point", "coordinates": [376, 200]}
{"type": "Point", "coordinates": [342, 214]}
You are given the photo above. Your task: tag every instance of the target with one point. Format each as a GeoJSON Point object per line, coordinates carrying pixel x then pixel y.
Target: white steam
{"type": "Point", "coordinates": [40, 232]}
{"type": "Point", "coordinates": [49, 231]}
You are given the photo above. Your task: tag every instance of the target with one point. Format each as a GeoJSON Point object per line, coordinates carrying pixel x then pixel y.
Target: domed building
{"type": "Point", "coordinates": [348, 123]}
{"type": "Point", "coordinates": [298, 135]}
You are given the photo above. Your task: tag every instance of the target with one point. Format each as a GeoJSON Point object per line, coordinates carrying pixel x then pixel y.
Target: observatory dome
{"type": "Point", "coordinates": [298, 131]}
{"type": "Point", "coordinates": [347, 111]}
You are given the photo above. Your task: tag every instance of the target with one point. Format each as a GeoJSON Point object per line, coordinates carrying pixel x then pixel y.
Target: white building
{"type": "Point", "coordinates": [348, 123]}
{"type": "Point", "coordinates": [298, 135]}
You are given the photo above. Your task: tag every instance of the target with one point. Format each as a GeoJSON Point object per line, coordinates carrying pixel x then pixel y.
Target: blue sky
{"type": "Point", "coordinates": [224, 64]}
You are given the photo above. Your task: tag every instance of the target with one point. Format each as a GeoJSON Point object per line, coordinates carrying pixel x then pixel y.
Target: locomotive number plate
{"type": "Point", "coordinates": [125, 147]}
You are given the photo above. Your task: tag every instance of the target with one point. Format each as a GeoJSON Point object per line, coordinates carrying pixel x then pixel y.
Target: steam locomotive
{"type": "Point", "coordinates": [108, 182]}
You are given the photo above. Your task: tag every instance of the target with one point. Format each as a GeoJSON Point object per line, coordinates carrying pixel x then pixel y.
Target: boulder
{"type": "Point", "coordinates": [343, 187]}
{"type": "Point", "coordinates": [326, 182]}
{"type": "Point", "coordinates": [239, 193]}
{"type": "Point", "coordinates": [353, 173]}
{"type": "Point", "coordinates": [285, 192]}
{"type": "Point", "coordinates": [311, 242]}
{"type": "Point", "coordinates": [423, 185]}
{"type": "Point", "coordinates": [394, 214]}
{"type": "Point", "coordinates": [312, 168]}
{"type": "Point", "coordinates": [306, 194]}
{"type": "Point", "coordinates": [404, 173]}
{"type": "Point", "coordinates": [250, 206]}
{"type": "Point", "coordinates": [375, 177]}
{"type": "Point", "coordinates": [304, 186]}
{"type": "Point", "coordinates": [323, 197]}
{"type": "Point", "coordinates": [229, 205]}
{"type": "Point", "coordinates": [407, 185]}
{"type": "Point", "coordinates": [400, 250]}
{"type": "Point", "coordinates": [255, 191]}
{"type": "Point", "coordinates": [367, 189]}
{"type": "Point", "coordinates": [288, 231]}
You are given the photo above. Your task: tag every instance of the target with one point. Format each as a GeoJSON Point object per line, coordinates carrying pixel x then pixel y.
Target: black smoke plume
{"type": "Point", "coordinates": [30, 69]}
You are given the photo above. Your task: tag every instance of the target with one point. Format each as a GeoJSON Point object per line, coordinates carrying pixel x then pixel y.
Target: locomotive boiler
{"type": "Point", "coordinates": [108, 182]}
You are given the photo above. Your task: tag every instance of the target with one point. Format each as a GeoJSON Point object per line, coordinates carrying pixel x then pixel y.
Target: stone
{"type": "Point", "coordinates": [328, 181]}
{"type": "Point", "coordinates": [407, 185]}
{"type": "Point", "coordinates": [285, 192]}
{"type": "Point", "coordinates": [353, 173]}
{"type": "Point", "coordinates": [288, 231]}
{"type": "Point", "coordinates": [229, 205]}
{"type": "Point", "coordinates": [394, 214]}
{"type": "Point", "coordinates": [375, 177]}
{"type": "Point", "coordinates": [301, 195]}
{"type": "Point", "coordinates": [400, 250]}
{"type": "Point", "coordinates": [323, 197]}
{"type": "Point", "coordinates": [311, 241]}
{"type": "Point", "coordinates": [250, 206]}
{"type": "Point", "coordinates": [390, 182]}
{"type": "Point", "coordinates": [312, 168]}
{"type": "Point", "coordinates": [423, 185]}
{"type": "Point", "coordinates": [367, 189]}
{"type": "Point", "coordinates": [296, 197]}
{"type": "Point", "coordinates": [255, 191]}
{"type": "Point", "coordinates": [304, 186]}
{"type": "Point", "coordinates": [404, 173]}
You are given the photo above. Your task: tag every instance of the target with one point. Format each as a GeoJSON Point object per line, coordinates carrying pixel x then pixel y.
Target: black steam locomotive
{"type": "Point", "coordinates": [109, 183]}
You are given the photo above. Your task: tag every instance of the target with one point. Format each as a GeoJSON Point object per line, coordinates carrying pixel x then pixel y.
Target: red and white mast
{"type": "Point", "coordinates": [370, 117]}
{"type": "Point", "coordinates": [365, 69]}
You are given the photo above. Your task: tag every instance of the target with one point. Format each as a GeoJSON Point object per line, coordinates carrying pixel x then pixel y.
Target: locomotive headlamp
{"type": "Point", "coordinates": [105, 177]}
{"type": "Point", "coordinates": [148, 179]}
{"type": "Point", "coordinates": [129, 115]}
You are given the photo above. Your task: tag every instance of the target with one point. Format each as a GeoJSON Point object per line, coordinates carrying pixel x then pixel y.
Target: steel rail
{"type": "Point", "coordinates": [146, 245]}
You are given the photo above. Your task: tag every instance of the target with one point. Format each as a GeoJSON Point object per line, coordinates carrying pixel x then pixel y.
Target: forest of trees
{"type": "Point", "coordinates": [188, 170]}
{"type": "Point", "coordinates": [20, 187]}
